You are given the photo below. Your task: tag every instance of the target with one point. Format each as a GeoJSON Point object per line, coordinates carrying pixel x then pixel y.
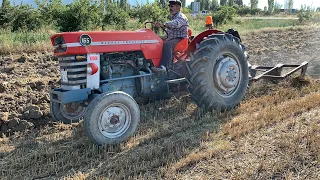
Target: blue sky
{"type": "Point", "coordinates": [296, 3]}
{"type": "Point", "coordinates": [262, 3]}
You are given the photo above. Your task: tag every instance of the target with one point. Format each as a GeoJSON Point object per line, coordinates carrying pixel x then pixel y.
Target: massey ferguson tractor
{"type": "Point", "coordinates": [105, 73]}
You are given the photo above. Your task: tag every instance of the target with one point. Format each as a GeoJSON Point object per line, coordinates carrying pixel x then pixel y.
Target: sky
{"type": "Point", "coordinates": [261, 5]}
{"type": "Point", "coordinates": [296, 3]}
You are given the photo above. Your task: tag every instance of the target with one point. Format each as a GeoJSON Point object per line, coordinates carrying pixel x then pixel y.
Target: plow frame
{"type": "Point", "coordinates": [275, 72]}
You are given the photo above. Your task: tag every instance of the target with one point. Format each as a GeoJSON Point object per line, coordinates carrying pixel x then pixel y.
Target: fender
{"type": "Point", "coordinates": [193, 44]}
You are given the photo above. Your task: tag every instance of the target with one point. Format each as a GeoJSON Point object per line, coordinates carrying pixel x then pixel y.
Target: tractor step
{"type": "Point", "coordinates": [176, 85]}
{"type": "Point", "coordinates": [275, 72]}
{"type": "Point", "coordinates": [176, 81]}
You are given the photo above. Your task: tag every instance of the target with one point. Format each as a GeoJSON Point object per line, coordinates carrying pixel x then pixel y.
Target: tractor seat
{"type": "Point", "coordinates": [181, 46]}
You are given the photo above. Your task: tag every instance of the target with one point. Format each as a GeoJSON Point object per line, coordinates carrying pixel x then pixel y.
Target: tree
{"type": "Point", "coordinates": [231, 2]}
{"type": "Point", "coordinates": [290, 5]}
{"type": "Point", "coordinates": [5, 4]}
{"type": "Point", "coordinates": [123, 4]}
{"type": "Point", "coordinates": [214, 5]}
{"type": "Point", "coordinates": [276, 8]}
{"type": "Point", "coordinates": [223, 2]}
{"type": "Point", "coordinates": [183, 3]}
{"type": "Point", "coordinates": [239, 2]}
{"type": "Point", "coordinates": [254, 4]}
{"type": "Point", "coordinates": [81, 15]}
{"type": "Point", "coordinates": [270, 6]}
{"type": "Point", "coordinates": [6, 14]}
{"type": "Point", "coordinates": [244, 10]}
{"type": "Point", "coordinates": [225, 14]}
{"type": "Point", "coordinates": [204, 4]}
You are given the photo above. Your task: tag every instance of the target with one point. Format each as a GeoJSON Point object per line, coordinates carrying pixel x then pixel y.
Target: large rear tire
{"type": "Point", "coordinates": [218, 73]}
{"type": "Point", "coordinates": [67, 113]}
{"type": "Point", "coordinates": [111, 118]}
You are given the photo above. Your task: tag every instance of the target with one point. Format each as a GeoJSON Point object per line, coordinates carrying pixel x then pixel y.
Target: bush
{"type": "Point", "coordinates": [116, 16]}
{"type": "Point", "coordinates": [255, 11]}
{"type": "Point", "coordinates": [223, 15]}
{"type": "Point", "coordinates": [6, 17]}
{"type": "Point", "coordinates": [152, 12]}
{"type": "Point", "coordinates": [304, 15]}
{"type": "Point", "coordinates": [242, 11]}
{"type": "Point", "coordinates": [26, 17]}
{"type": "Point", "coordinates": [81, 15]}
{"type": "Point", "coordinates": [20, 17]}
{"type": "Point", "coordinates": [51, 12]}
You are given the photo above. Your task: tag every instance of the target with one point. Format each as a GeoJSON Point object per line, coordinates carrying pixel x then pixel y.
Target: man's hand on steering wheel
{"type": "Point", "coordinates": [159, 24]}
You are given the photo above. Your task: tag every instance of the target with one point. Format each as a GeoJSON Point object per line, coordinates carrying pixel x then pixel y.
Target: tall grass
{"type": "Point", "coordinates": [35, 41]}
{"type": "Point", "coordinates": [24, 41]}
{"type": "Point", "coordinates": [247, 25]}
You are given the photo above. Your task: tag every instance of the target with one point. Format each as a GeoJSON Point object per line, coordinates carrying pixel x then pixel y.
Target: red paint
{"type": "Point", "coordinates": [94, 68]}
{"type": "Point", "coordinates": [199, 38]}
{"type": "Point", "coordinates": [151, 51]}
{"type": "Point", "coordinates": [94, 58]}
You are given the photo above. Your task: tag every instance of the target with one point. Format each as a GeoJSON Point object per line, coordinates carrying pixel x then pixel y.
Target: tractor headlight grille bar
{"type": "Point", "coordinates": [73, 71]}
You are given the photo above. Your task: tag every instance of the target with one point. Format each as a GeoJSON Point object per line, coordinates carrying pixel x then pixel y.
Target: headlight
{"type": "Point", "coordinates": [92, 68]}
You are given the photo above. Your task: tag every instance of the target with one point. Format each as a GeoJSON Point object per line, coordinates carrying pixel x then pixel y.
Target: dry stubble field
{"type": "Point", "coordinates": [274, 134]}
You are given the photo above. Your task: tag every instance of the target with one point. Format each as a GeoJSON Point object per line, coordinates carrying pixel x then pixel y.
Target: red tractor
{"type": "Point", "coordinates": [104, 74]}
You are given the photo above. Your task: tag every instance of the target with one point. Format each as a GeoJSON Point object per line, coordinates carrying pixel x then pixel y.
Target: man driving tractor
{"type": "Point", "coordinates": [177, 29]}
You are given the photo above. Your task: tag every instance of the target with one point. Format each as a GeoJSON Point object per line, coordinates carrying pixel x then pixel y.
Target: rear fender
{"type": "Point", "coordinates": [196, 40]}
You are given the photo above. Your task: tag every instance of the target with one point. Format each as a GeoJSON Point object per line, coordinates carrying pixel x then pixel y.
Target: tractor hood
{"type": "Point", "coordinates": [85, 42]}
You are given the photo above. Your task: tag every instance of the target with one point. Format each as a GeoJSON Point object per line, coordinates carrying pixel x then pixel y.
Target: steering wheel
{"type": "Point", "coordinates": [163, 29]}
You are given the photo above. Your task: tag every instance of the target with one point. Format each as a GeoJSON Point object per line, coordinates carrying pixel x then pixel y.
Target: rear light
{"type": "Point", "coordinates": [92, 68]}
{"type": "Point", "coordinates": [59, 44]}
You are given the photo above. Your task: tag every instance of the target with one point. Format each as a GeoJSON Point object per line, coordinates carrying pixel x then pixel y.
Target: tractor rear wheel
{"type": "Point", "coordinates": [111, 118]}
{"type": "Point", "coordinates": [218, 73]}
{"type": "Point", "coordinates": [67, 113]}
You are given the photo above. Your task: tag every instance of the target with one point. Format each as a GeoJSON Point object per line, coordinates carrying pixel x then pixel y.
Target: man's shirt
{"type": "Point", "coordinates": [178, 26]}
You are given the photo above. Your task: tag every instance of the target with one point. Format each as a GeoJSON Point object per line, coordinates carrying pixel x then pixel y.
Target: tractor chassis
{"type": "Point", "coordinates": [82, 95]}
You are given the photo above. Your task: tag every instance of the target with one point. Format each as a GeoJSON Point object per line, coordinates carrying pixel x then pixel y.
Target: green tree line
{"type": "Point", "coordinates": [90, 14]}
{"type": "Point", "coordinates": [79, 15]}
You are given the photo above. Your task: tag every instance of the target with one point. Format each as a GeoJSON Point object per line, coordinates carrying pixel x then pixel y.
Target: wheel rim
{"type": "Point", "coordinates": [72, 111]}
{"type": "Point", "coordinates": [226, 75]}
{"type": "Point", "coordinates": [114, 120]}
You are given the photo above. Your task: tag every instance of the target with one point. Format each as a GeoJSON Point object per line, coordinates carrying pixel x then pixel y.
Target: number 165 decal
{"type": "Point", "coordinates": [85, 40]}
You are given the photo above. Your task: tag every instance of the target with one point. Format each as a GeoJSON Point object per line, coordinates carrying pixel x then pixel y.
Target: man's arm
{"type": "Point", "coordinates": [176, 23]}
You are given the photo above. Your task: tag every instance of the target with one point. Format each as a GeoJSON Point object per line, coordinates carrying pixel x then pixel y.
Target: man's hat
{"type": "Point", "coordinates": [175, 2]}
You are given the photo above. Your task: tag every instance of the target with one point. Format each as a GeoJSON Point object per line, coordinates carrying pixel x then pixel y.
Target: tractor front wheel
{"type": "Point", "coordinates": [218, 73]}
{"type": "Point", "coordinates": [111, 118]}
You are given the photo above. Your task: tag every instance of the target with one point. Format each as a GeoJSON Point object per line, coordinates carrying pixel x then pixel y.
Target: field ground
{"type": "Point", "coordinates": [267, 17]}
{"type": "Point", "coordinates": [273, 134]}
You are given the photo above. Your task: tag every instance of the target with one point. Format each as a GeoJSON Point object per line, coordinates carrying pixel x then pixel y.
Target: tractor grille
{"type": "Point", "coordinates": [73, 72]}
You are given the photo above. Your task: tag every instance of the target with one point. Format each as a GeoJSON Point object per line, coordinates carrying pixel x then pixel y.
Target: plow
{"type": "Point", "coordinates": [106, 74]}
{"type": "Point", "coordinates": [276, 72]}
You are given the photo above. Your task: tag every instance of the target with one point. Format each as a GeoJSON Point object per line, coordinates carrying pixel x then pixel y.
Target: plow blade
{"type": "Point", "coordinates": [276, 72]}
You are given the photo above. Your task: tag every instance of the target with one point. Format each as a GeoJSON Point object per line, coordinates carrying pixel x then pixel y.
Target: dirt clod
{"type": "Point", "coordinates": [13, 123]}
{"type": "Point", "coordinates": [4, 116]}
{"type": "Point", "coordinates": [23, 125]}
{"type": "Point", "coordinates": [3, 87]}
